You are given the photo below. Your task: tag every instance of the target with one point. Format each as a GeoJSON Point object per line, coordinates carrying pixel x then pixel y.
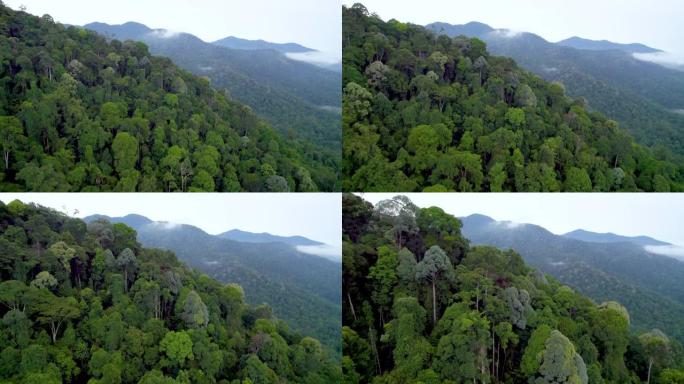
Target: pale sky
{"type": "Point", "coordinates": [656, 23]}
{"type": "Point", "coordinates": [658, 215]}
{"type": "Point", "coordinates": [313, 23]}
{"type": "Point", "coordinates": [317, 216]}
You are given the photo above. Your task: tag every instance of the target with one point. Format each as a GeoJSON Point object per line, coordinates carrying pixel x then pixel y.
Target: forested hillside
{"type": "Point", "coordinates": [649, 285]}
{"type": "Point", "coordinates": [290, 94]}
{"type": "Point", "coordinates": [79, 113]}
{"type": "Point", "coordinates": [87, 303]}
{"type": "Point", "coordinates": [423, 305]}
{"type": "Point", "coordinates": [427, 112]}
{"type": "Point", "coordinates": [302, 289]}
{"type": "Point", "coordinates": [642, 96]}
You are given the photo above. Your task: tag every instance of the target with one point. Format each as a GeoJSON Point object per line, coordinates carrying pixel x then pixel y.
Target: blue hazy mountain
{"type": "Point", "coordinates": [602, 45]}
{"type": "Point", "coordinates": [594, 237]}
{"type": "Point", "coordinates": [238, 43]}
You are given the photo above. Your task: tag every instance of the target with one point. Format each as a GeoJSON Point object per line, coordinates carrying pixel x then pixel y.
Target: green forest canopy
{"type": "Point", "coordinates": [423, 306]}
{"type": "Point", "coordinates": [433, 113]}
{"type": "Point", "coordinates": [78, 113]}
{"type": "Point", "coordinates": [86, 303]}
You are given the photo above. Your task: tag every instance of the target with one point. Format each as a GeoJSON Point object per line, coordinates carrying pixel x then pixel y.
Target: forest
{"type": "Point", "coordinates": [79, 113]}
{"type": "Point", "coordinates": [423, 112]}
{"type": "Point", "coordinates": [86, 303]}
{"type": "Point", "coordinates": [421, 305]}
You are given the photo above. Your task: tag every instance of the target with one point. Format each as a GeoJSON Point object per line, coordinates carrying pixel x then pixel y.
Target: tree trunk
{"type": "Point", "coordinates": [351, 305]}
{"type": "Point", "coordinates": [650, 364]}
{"type": "Point", "coordinates": [6, 159]}
{"type": "Point", "coordinates": [434, 304]}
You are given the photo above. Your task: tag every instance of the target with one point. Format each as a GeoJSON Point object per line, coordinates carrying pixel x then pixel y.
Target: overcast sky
{"type": "Point", "coordinates": [657, 23]}
{"type": "Point", "coordinates": [657, 215]}
{"type": "Point", "coordinates": [317, 216]}
{"type": "Point", "coordinates": [314, 23]}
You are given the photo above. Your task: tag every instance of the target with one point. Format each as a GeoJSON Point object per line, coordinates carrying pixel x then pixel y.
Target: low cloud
{"type": "Point", "coordinates": [509, 224]}
{"type": "Point", "coordinates": [165, 225]}
{"type": "Point", "coordinates": [316, 57]}
{"type": "Point", "coordinates": [506, 33]}
{"type": "Point", "coordinates": [667, 59]}
{"type": "Point", "coordinates": [674, 251]}
{"type": "Point", "coordinates": [326, 251]}
{"type": "Point", "coordinates": [164, 33]}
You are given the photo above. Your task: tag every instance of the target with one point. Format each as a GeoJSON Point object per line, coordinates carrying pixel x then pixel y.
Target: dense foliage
{"type": "Point", "coordinates": [427, 112]}
{"type": "Point", "coordinates": [423, 306]}
{"type": "Point", "coordinates": [89, 304]}
{"type": "Point", "coordinates": [640, 95]}
{"type": "Point", "coordinates": [78, 113]}
{"type": "Point", "coordinates": [304, 290]}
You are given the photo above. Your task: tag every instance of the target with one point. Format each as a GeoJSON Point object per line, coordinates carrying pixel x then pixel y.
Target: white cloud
{"type": "Point", "coordinates": [164, 33]}
{"type": "Point", "coordinates": [674, 251]}
{"type": "Point", "coordinates": [326, 251]}
{"type": "Point", "coordinates": [166, 225]}
{"type": "Point", "coordinates": [316, 57]}
{"type": "Point", "coordinates": [667, 59]}
{"type": "Point", "coordinates": [506, 33]}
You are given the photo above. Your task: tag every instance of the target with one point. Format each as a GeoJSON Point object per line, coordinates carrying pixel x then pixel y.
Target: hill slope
{"type": "Point", "coordinates": [290, 94]}
{"type": "Point", "coordinates": [302, 289]}
{"type": "Point", "coordinates": [648, 285]}
{"type": "Point", "coordinates": [427, 112]}
{"type": "Point", "coordinates": [79, 113]}
{"type": "Point", "coordinates": [640, 95]}
{"type": "Point", "coordinates": [90, 304]}
{"type": "Point", "coordinates": [423, 305]}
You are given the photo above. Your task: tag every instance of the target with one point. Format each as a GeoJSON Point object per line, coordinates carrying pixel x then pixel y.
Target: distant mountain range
{"type": "Point", "coordinates": [603, 45]}
{"type": "Point", "coordinates": [601, 266]}
{"type": "Point", "coordinates": [238, 43]}
{"type": "Point", "coordinates": [250, 237]}
{"type": "Point", "coordinates": [293, 95]}
{"type": "Point", "coordinates": [593, 237]}
{"type": "Point", "coordinates": [641, 95]}
{"type": "Point", "coordinates": [302, 289]}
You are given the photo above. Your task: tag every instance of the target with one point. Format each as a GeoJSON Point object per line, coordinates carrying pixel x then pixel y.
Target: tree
{"type": "Point", "coordinates": [195, 314]}
{"type": "Point", "coordinates": [462, 353]}
{"type": "Point", "coordinates": [125, 148]}
{"type": "Point", "coordinates": [44, 280]}
{"type": "Point", "coordinates": [126, 262]}
{"type": "Point", "coordinates": [55, 311]}
{"type": "Point", "coordinates": [657, 347]}
{"type": "Point", "coordinates": [435, 267]}
{"type": "Point", "coordinates": [11, 136]}
{"type": "Point", "coordinates": [177, 346]}
{"type": "Point", "coordinates": [560, 363]}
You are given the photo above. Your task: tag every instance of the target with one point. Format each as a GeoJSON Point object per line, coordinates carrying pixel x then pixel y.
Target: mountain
{"type": "Point", "coordinates": [238, 43]}
{"type": "Point", "coordinates": [641, 95]}
{"type": "Point", "coordinates": [89, 303]}
{"type": "Point", "coordinates": [648, 285]}
{"type": "Point", "coordinates": [80, 113]}
{"type": "Point", "coordinates": [423, 304]}
{"type": "Point", "coordinates": [603, 45]}
{"type": "Point", "coordinates": [291, 94]}
{"type": "Point", "coordinates": [302, 289]}
{"type": "Point", "coordinates": [250, 237]}
{"type": "Point", "coordinates": [593, 237]}
{"type": "Point", "coordinates": [424, 112]}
